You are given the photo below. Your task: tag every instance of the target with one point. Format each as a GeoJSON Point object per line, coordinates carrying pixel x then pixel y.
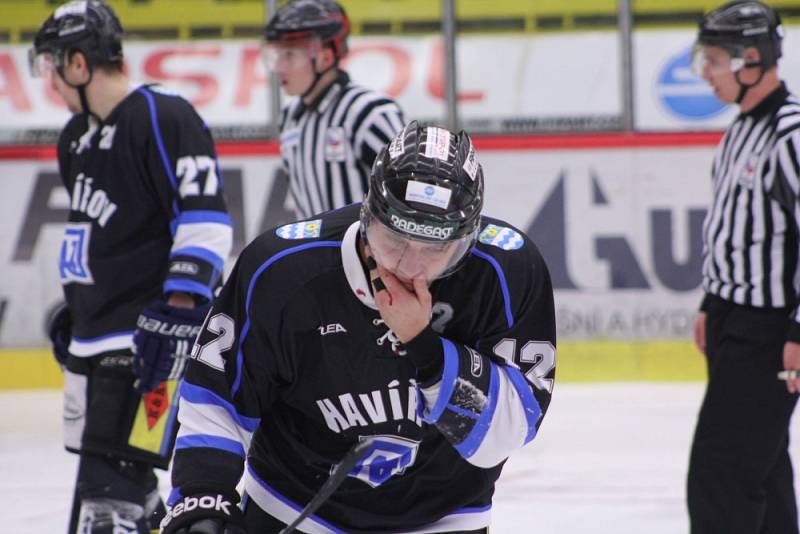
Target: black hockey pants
{"type": "Point", "coordinates": [740, 474]}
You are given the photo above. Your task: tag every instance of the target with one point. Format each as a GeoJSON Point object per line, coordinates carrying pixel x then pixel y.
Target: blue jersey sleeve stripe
{"type": "Point", "coordinates": [151, 104]}
{"type": "Point", "coordinates": [213, 442]}
{"type": "Point", "coordinates": [200, 395]}
{"type": "Point", "coordinates": [476, 436]}
{"type": "Point", "coordinates": [503, 283]}
{"type": "Point", "coordinates": [246, 328]}
{"type": "Point", "coordinates": [174, 496]}
{"type": "Point", "coordinates": [201, 253]}
{"type": "Point", "coordinates": [448, 383]}
{"type": "Point", "coordinates": [529, 403]}
{"type": "Point", "coordinates": [187, 286]}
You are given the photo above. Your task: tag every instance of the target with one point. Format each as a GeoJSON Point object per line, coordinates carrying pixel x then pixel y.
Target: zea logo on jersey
{"type": "Point", "coordinates": [93, 202]}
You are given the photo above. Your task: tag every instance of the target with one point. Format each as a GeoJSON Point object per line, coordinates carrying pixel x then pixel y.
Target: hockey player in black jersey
{"type": "Point", "coordinates": [411, 323]}
{"type": "Point", "coordinates": [143, 249]}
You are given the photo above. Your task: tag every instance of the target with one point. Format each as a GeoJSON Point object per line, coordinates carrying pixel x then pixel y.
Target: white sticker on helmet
{"type": "Point", "coordinates": [438, 143]}
{"type": "Point", "coordinates": [471, 164]}
{"type": "Point", "coordinates": [430, 194]}
{"type": "Point", "coordinates": [396, 147]}
{"type": "Point", "coordinates": [72, 8]}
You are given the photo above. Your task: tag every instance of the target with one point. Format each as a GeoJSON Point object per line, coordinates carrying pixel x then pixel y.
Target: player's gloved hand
{"type": "Point", "coordinates": [162, 341]}
{"type": "Point", "coordinates": [59, 330]}
{"type": "Point", "coordinates": [209, 513]}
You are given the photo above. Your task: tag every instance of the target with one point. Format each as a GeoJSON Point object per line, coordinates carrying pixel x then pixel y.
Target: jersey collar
{"type": "Point", "coordinates": [353, 269]}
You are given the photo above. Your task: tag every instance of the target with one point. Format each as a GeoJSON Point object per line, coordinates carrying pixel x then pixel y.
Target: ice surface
{"type": "Point", "coordinates": [609, 459]}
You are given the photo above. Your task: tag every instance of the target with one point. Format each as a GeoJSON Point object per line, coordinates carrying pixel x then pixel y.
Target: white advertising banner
{"type": "Point", "coordinates": [507, 83]}
{"type": "Point", "coordinates": [619, 228]}
{"type": "Point", "coordinates": [568, 81]}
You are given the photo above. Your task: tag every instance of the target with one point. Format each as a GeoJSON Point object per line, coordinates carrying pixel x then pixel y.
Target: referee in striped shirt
{"type": "Point", "coordinates": [740, 475]}
{"type": "Point", "coordinates": [333, 130]}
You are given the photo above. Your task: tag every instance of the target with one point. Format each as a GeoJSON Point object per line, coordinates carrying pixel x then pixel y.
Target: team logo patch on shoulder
{"type": "Point", "coordinates": [501, 237]}
{"type": "Point", "coordinates": [301, 230]}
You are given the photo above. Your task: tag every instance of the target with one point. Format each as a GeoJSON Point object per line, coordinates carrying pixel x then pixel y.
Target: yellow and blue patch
{"type": "Point", "coordinates": [501, 237]}
{"type": "Point", "coordinates": [301, 230]}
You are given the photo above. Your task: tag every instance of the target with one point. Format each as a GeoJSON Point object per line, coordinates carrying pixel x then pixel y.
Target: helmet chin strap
{"type": "Point", "coordinates": [81, 88]}
{"type": "Point", "coordinates": [743, 87]}
{"type": "Point", "coordinates": [317, 76]}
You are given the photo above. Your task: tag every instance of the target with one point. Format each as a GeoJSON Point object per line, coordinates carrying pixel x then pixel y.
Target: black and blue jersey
{"type": "Point", "coordinates": [295, 365]}
{"type": "Point", "coordinates": [147, 215]}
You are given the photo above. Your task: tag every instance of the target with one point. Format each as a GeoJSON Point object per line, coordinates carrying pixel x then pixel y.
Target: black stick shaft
{"type": "Point", "coordinates": [338, 475]}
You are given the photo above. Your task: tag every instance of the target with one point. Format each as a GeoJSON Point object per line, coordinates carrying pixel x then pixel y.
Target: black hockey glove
{"type": "Point", "coordinates": [204, 514]}
{"type": "Point", "coordinates": [59, 330]}
{"type": "Point", "coordinates": [162, 341]}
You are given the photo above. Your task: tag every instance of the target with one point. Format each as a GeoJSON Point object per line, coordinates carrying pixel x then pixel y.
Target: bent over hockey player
{"type": "Point", "coordinates": [143, 250]}
{"type": "Point", "coordinates": [409, 323]}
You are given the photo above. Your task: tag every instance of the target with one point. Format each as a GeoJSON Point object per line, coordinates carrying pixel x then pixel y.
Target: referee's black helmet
{"type": "Point", "coordinates": [742, 24]}
{"type": "Point", "coordinates": [301, 20]}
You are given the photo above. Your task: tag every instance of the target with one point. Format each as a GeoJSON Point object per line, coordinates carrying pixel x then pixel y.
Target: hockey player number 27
{"type": "Point", "coordinates": [188, 169]}
{"type": "Point", "coordinates": [541, 354]}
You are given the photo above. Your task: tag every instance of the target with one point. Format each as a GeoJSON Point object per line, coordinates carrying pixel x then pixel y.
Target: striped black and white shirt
{"type": "Point", "coordinates": [750, 234]}
{"type": "Point", "coordinates": [328, 147]}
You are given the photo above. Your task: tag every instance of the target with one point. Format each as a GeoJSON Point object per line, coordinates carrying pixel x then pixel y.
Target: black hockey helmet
{"type": "Point", "coordinates": [742, 24]}
{"type": "Point", "coordinates": [301, 20]}
{"type": "Point", "coordinates": [426, 185]}
{"type": "Point", "coordinates": [88, 26]}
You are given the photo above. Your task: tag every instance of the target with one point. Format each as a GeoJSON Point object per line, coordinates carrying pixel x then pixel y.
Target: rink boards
{"type": "Point", "coordinates": [617, 217]}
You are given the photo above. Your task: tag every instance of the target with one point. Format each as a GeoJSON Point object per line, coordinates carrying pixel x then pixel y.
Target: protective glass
{"type": "Point", "coordinates": [289, 55]}
{"type": "Point", "coordinates": [409, 258]}
{"type": "Point", "coordinates": [41, 65]}
{"type": "Point", "coordinates": [717, 60]}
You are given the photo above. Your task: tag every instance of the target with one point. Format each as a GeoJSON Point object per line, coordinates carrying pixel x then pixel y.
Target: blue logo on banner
{"type": "Point", "coordinates": [683, 94]}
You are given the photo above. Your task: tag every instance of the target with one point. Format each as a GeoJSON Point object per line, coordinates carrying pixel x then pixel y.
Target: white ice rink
{"type": "Point", "coordinates": [609, 459]}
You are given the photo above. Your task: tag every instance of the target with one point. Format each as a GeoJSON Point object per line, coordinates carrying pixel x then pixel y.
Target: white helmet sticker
{"type": "Point", "coordinates": [471, 164]}
{"type": "Point", "coordinates": [429, 194]}
{"type": "Point", "coordinates": [72, 8]}
{"type": "Point", "coordinates": [396, 147]}
{"type": "Point", "coordinates": [438, 143]}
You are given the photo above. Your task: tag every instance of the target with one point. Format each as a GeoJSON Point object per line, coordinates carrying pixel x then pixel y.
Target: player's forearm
{"type": "Point", "coordinates": [485, 410]}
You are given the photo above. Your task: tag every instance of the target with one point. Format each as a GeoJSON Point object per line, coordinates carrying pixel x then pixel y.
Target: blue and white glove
{"type": "Point", "coordinates": [59, 330]}
{"type": "Point", "coordinates": [162, 342]}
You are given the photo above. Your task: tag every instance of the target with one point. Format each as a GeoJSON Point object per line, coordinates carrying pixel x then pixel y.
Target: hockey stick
{"type": "Point", "coordinates": [339, 473]}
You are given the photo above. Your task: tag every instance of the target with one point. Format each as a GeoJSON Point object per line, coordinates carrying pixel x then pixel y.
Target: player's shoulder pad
{"type": "Point", "coordinates": [327, 227]}
{"type": "Point", "coordinates": [168, 103]}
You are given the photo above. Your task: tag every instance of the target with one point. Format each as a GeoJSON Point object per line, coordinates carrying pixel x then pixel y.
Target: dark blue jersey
{"type": "Point", "coordinates": [146, 214]}
{"type": "Point", "coordinates": [295, 365]}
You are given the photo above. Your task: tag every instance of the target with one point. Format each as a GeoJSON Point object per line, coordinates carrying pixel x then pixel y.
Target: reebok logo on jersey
{"type": "Point", "coordinates": [217, 503]}
{"type": "Point", "coordinates": [333, 328]}
{"type": "Point", "coordinates": [425, 230]}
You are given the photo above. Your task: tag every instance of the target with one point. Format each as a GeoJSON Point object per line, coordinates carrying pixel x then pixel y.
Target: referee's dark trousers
{"type": "Point", "coordinates": [740, 474]}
